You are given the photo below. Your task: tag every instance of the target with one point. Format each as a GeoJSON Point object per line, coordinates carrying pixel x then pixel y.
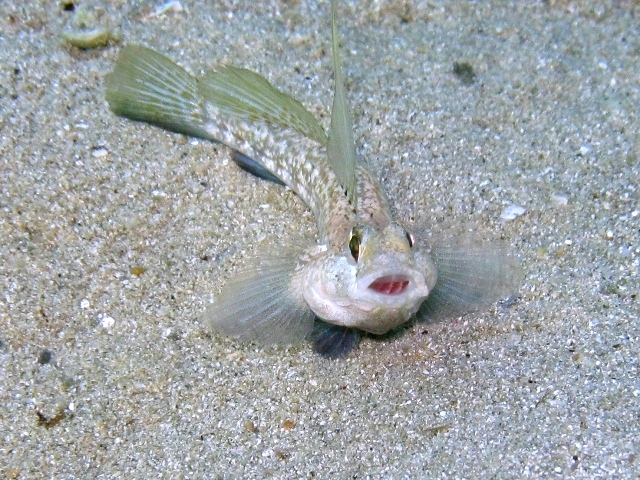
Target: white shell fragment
{"type": "Point", "coordinates": [560, 200]}
{"type": "Point", "coordinates": [169, 7]}
{"type": "Point", "coordinates": [107, 322]}
{"type": "Point", "coordinates": [100, 152]}
{"type": "Point", "coordinates": [512, 211]}
{"type": "Point", "coordinates": [584, 149]}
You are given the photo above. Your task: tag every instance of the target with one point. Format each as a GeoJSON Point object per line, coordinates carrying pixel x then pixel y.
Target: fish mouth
{"type": "Point", "coordinates": [390, 284]}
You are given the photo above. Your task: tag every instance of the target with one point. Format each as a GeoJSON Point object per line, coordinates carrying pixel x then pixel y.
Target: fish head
{"type": "Point", "coordinates": [376, 282]}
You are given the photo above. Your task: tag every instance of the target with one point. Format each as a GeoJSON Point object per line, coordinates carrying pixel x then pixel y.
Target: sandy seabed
{"type": "Point", "coordinates": [116, 235]}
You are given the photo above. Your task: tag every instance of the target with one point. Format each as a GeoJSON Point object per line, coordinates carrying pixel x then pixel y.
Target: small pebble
{"type": "Point", "coordinates": [44, 357]}
{"type": "Point", "coordinates": [85, 40]}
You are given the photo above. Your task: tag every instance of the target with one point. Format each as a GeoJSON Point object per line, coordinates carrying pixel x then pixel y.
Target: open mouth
{"type": "Point", "coordinates": [390, 284]}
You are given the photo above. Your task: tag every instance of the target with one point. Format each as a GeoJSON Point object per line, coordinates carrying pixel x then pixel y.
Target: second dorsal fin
{"type": "Point", "coordinates": [244, 94]}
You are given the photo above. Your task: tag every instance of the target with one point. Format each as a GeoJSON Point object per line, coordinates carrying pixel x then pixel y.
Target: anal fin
{"type": "Point", "coordinates": [255, 168]}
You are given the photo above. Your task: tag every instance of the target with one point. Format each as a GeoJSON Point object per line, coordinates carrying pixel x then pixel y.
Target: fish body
{"type": "Point", "coordinates": [366, 273]}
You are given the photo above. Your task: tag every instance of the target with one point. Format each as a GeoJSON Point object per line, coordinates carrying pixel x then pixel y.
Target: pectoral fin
{"type": "Point", "coordinates": [470, 277]}
{"type": "Point", "coordinates": [261, 302]}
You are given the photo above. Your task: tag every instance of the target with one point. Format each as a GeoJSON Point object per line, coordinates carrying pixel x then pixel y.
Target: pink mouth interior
{"type": "Point", "coordinates": [390, 284]}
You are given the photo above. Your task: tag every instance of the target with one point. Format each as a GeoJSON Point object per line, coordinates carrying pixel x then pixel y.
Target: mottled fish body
{"type": "Point", "coordinates": [366, 273]}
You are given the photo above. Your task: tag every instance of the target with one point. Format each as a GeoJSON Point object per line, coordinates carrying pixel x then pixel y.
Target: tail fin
{"type": "Point", "coordinates": [148, 87]}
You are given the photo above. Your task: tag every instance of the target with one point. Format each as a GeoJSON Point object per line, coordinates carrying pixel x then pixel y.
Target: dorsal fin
{"type": "Point", "coordinates": [241, 93]}
{"type": "Point", "coordinates": [341, 147]}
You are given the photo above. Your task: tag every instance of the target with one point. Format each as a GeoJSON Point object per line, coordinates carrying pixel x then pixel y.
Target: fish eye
{"type": "Point", "coordinates": [409, 238]}
{"type": "Point", "coordinates": [354, 244]}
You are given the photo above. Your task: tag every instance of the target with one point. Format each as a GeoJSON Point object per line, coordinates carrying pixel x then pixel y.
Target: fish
{"type": "Point", "coordinates": [367, 274]}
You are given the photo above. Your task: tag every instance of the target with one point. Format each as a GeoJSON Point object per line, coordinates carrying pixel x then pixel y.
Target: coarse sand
{"type": "Point", "coordinates": [116, 235]}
